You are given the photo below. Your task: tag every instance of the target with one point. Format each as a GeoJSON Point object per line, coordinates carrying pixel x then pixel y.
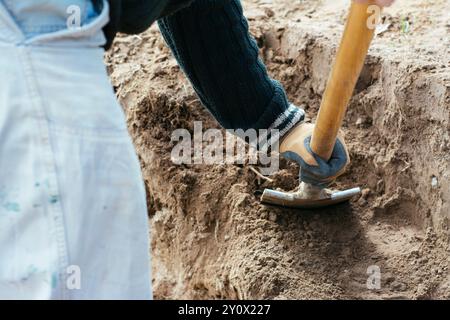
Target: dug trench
{"type": "Point", "coordinates": [212, 238]}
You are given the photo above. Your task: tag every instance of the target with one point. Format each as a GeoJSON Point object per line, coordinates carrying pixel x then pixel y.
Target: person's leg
{"type": "Point", "coordinates": [211, 41]}
{"type": "Point", "coordinates": [73, 218]}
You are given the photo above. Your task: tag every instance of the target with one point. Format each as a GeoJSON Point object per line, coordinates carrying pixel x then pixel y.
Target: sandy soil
{"type": "Point", "coordinates": [212, 238]}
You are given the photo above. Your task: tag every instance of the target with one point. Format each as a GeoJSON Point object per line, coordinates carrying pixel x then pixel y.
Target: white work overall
{"type": "Point", "coordinates": [73, 218]}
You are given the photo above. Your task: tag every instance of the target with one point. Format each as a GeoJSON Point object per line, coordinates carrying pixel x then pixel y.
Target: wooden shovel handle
{"type": "Point", "coordinates": [347, 67]}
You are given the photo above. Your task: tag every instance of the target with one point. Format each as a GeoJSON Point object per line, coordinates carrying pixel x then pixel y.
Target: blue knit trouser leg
{"type": "Point", "coordinates": [211, 41]}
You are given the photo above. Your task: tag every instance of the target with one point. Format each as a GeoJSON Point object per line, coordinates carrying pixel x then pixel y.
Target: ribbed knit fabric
{"type": "Point", "coordinates": [211, 41]}
{"type": "Point", "coordinates": [135, 16]}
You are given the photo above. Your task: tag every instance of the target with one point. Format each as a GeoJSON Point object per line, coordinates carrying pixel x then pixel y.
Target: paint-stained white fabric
{"type": "Point", "coordinates": [72, 200]}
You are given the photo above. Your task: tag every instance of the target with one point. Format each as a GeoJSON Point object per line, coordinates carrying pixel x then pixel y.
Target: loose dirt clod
{"type": "Point", "coordinates": [212, 238]}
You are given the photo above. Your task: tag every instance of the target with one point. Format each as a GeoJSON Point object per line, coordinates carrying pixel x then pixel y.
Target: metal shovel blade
{"type": "Point", "coordinates": [299, 200]}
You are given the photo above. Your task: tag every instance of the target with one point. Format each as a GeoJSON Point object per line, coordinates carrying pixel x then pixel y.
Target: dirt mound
{"type": "Point", "coordinates": [212, 238]}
